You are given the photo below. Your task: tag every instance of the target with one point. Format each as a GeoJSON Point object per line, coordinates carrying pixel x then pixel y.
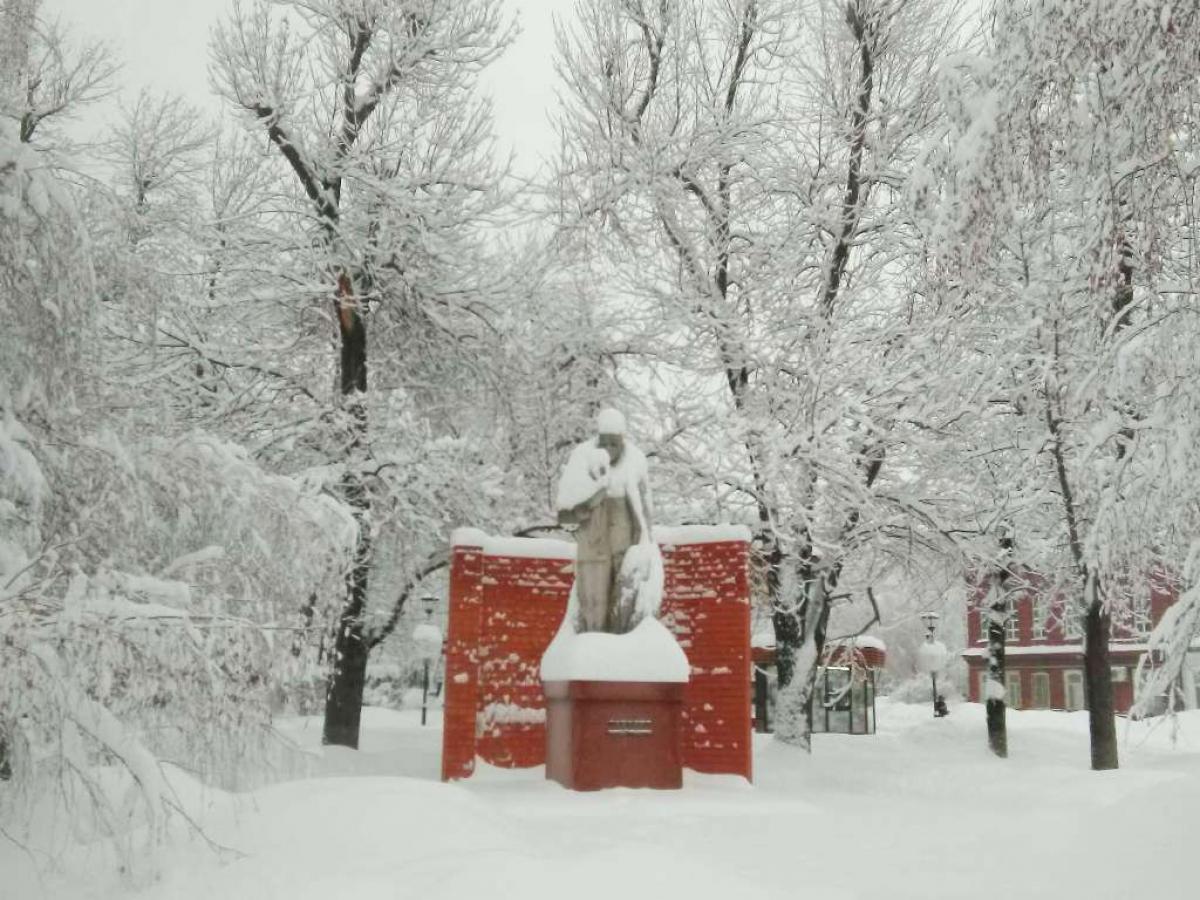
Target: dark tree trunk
{"type": "Point", "coordinates": [789, 631]}
{"type": "Point", "coordinates": [344, 696]}
{"type": "Point", "coordinates": [1098, 684]}
{"type": "Point", "coordinates": [997, 729]}
{"type": "Point", "coordinates": [820, 595]}
{"type": "Point", "coordinates": [1097, 674]}
{"type": "Point", "coordinates": [997, 613]}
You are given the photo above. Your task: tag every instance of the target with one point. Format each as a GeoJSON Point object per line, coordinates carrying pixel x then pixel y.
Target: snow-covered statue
{"type": "Point", "coordinates": [604, 490]}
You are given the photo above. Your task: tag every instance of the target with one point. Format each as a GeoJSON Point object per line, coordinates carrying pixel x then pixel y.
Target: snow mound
{"type": "Point", "coordinates": [647, 653]}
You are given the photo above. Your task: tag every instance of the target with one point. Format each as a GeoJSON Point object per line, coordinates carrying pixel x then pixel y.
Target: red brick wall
{"type": "Point", "coordinates": [706, 603]}
{"type": "Point", "coordinates": [505, 609]}
{"type": "Point", "coordinates": [462, 671]}
{"type": "Point", "coordinates": [524, 600]}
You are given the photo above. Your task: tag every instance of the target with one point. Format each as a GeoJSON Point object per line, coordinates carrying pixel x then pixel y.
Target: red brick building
{"type": "Point", "coordinates": [1044, 652]}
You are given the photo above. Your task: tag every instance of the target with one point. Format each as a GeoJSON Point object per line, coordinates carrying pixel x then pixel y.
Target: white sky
{"type": "Point", "coordinates": [163, 45]}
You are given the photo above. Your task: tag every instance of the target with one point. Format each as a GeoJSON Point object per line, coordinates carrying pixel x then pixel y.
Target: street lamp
{"type": "Point", "coordinates": [427, 638]}
{"type": "Point", "coordinates": [931, 658]}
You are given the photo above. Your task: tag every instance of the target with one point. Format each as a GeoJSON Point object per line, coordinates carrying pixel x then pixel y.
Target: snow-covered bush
{"type": "Point", "coordinates": [919, 689]}
{"type": "Point", "coordinates": [154, 586]}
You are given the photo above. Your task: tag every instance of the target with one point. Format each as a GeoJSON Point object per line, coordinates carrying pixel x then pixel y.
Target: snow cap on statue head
{"type": "Point", "coordinates": [609, 421]}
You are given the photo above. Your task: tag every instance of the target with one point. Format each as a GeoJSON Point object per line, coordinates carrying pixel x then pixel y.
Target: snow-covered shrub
{"type": "Point", "coordinates": [153, 603]}
{"type": "Point", "coordinates": [919, 689]}
{"type": "Point", "coordinates": [155, 586]}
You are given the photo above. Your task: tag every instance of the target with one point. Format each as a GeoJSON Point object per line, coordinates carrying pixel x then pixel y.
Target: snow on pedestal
{"type": "Point", "coordinates": [614, 707]}
{"type": "Point", "coordinates": [648, 653]}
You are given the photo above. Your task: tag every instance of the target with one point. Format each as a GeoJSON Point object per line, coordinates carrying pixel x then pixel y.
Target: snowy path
{"type": "Point", "coordinates": [918, 811]}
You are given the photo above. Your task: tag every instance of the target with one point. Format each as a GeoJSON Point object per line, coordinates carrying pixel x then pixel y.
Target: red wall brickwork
{"type": "Point", "coordinates": [462, 670]}
{"type": "Point", "coordinates": [524, 600]}
{"type": "Point", "coordinates": [504, 610]}
{"type": "Point", "coordinates": [706, 604]}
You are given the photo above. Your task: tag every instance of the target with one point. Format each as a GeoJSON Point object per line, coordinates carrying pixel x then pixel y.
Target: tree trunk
{"type": "Point", "coordinates": [1098, 680]}
{"type": "Point", "coordinates": [793, 717]}
{"type": "Point", "coordinates": [344, 696]}
{"type": "Point", "coordinates": [997, 728]}
{"type": "Point", "coordinates": [789, 630]}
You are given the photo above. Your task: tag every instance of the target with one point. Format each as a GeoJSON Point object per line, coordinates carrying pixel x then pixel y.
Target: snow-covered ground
{"type": "Point", "coordinates": [918, 811]}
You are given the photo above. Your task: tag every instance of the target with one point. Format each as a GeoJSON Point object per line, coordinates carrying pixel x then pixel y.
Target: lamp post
{"type": "Point", "coordinates": [931, 657]}
{"type": "Point", "coordinates": [427, 638]}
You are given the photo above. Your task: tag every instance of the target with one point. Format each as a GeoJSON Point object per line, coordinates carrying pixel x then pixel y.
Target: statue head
{"type": "Point", "coordinates": [610, 427]}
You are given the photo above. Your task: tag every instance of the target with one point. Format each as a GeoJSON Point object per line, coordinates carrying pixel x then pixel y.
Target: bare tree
{"type": "Point", "coordinates": [1066, 210]}
{"type": "Point", "coordinates": [744, 156]}
{"type": "Point", "coordinates": [47, 76]}
{"type": "Point", "coordinates": [369, 105]}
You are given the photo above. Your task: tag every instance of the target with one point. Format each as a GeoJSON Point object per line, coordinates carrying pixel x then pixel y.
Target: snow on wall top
{"type": "Point", "coordinates": [529, 548]}
{"type": "Point", "coordinates": [520, 547]}
{"type": "Point", "coordinates": [551, 548]}
{"type": "Point", "coordinates": [468, 537]}
{"type": "Point", "coordinates": [700, 534]}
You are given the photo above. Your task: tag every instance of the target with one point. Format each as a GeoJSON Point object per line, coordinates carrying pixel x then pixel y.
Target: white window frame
{"type": "Point", "coordinates": [1012, 626]}
{"type": "Point", "coordinates": [1041, 616]}
{"type": "Point", "coordinates": [1069, 676]}
{"type": "Point", "coordinates": [1044, 679]}
{"type": "Point", "coordinates": [1012, 690]}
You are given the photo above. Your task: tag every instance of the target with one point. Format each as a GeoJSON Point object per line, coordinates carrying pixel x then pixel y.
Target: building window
{"type": "Point", "coordinates": [1012, 681]}
{"type": "Point", "coordinates": [1041, 613]}
{"type": "Point", "coordinates": [1073, 689]}
{"type": "Point", "coordinates": [1012, 631]}
{"type": "Point", "coordinates": [1041, 690]}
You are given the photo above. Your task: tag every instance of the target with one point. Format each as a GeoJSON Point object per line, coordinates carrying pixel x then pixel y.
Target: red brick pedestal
{"type": "Point", "coordinates": [603, 734]}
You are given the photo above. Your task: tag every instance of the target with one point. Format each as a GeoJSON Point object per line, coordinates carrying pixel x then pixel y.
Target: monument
{"type": "Point", "coordinates": [613, 676]}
